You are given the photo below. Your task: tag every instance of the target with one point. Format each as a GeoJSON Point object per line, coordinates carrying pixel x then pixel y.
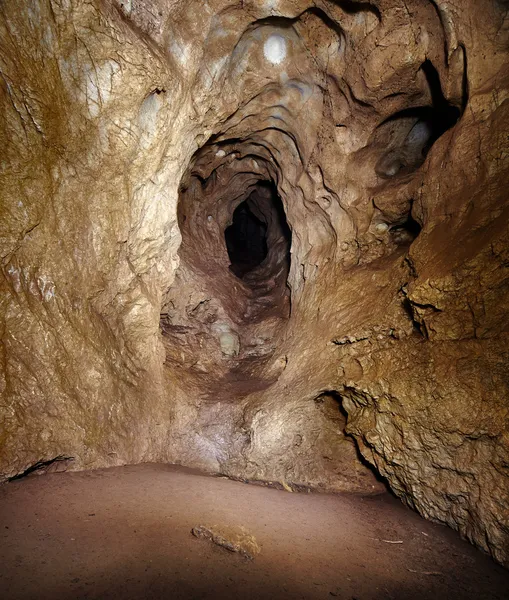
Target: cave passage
{"type": "Point", "coordinates": [258, 240]}
{"type": "Point", "coordinates": [246, 240]}
{"type": "Point", "coordinates": [235, 236]}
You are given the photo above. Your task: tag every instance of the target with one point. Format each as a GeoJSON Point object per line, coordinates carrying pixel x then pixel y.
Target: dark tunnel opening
{"type": "Point", "coordinates": [258, 240]}
{"type": "Point", "coordinates": [246, 240]}
{"type": "Point", "coordinates": [237, 241]}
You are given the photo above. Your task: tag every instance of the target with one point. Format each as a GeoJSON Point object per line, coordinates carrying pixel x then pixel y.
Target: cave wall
{"type": "Point", "coordinates": [131, 131]}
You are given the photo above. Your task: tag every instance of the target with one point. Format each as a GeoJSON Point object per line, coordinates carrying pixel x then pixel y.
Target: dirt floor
{"type": "Point", "coordinates": [126, 533]}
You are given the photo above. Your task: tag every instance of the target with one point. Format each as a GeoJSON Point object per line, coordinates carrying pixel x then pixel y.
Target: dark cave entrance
{"type": "Point", "coordinates": [246, 240]}
{"type": "Point", "coordinates": [258, 239]}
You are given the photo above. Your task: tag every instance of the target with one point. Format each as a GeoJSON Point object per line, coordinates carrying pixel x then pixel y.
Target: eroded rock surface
{"type": "Point", "coordinates": [225, 223]}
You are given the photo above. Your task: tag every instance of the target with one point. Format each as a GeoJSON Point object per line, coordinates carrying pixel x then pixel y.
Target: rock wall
{"type": "Point", "coordinates": [363, 144]}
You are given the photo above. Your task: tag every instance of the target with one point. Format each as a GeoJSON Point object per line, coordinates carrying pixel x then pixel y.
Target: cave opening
{"type": "Point", "coordinates": [231, 299]}
{"type": "Point", "coordinates": [258, 239]}
{"type": "Point", "coordinates": [246, 240]}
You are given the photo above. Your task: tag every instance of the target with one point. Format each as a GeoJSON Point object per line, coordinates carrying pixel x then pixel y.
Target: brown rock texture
{"type": "Point", "coordinates": [233, 233]}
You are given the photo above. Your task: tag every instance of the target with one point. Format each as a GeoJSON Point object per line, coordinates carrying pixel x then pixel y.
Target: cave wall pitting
{"type": "Point", "coordinates": [369, 138]}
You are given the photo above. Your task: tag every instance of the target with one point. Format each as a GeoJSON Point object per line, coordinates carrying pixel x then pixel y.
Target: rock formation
{"type": "Point", "coordinates": [233, 232]}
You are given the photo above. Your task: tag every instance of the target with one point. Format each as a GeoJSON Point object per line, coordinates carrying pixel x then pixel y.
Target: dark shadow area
{"type": "Point", "coordinates": [418, 128]}
{"type": "Point", "coordinates": [407, 307]}
{"type": "Point", "coordinates": [336, 396]}
{"type": "Point", "coordinates": [351, 7]}
{"type": "Point", "coordinates": [444, 115]}
{"type": "Point", "coordinates": [258, 240]}
{"type": "Point", "coordinates": [43, 465]}
{"type": "Point", "coordinates": [405, 233]}
{"type": "Point", "coordinates": [246, 240]}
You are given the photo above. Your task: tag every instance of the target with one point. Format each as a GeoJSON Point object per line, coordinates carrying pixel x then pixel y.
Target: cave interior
{"type": "Point", "coordinates": [254, 259]}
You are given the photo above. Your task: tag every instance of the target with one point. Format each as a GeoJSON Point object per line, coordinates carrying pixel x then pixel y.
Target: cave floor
{"type": "Point", "coordinates": [126, 533]}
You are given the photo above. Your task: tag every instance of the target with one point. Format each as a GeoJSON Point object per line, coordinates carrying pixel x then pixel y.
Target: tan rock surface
{"type": "Point", "coordinates": [366, 145]}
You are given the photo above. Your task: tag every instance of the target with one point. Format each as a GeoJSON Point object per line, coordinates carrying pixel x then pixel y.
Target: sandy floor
{"type": "Point", "coordinates": [126, 533]}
